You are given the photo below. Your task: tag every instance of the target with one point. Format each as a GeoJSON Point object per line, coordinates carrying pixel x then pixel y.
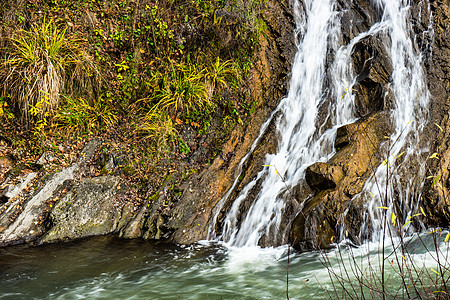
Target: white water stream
{"type": "Point", "coordinates": [304, 139]}
{"type": "Point", "coordinates": [409, 116]}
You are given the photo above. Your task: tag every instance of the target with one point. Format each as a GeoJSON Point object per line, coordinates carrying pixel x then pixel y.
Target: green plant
{"type": "Point", "coordinates": [120, 38]}
{"type": "Point", "coordinates": [157, 126]}
{"type": "Point", "coordinates": [181, 90]}
{"type": "Point", "coordinates": [79, 115]}
{"type": "Point", "coordinates": [130, 82]}
{"type": "Point", "coordinates": [159, 31]}
{"type": "Point", "coordinates": [39, 114]}
{"type": "Point", "coordinates": [121, 67]}
{"type": "Point", "coordinates": [38, 62]}
{"type": "Point", "coordinates": [200, 119]}
{"type": "Point", "coordinates": [220, 73]}
{"type": "Point", "coordinates": [4, 110]}
{"type": "Point", "coordinates": [184, 148]}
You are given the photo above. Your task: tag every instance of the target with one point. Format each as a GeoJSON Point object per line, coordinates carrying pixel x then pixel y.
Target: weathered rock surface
{"type": "Point", "coordinates": [374, 67]}
{"type": "Point", "coordinates": [357, 16]}
{"type": "Point", "coordinates": [337, 181]}
{"type": "Point", "coordinates": [89, 209]}
{"type": "Point", "coordinates": [316, 225]}
{"type": "Point", "coordinates": [322, 176]}
{"type": "Point", "coordinates": [434, 42]}
{"type": "Point", "coordinates": [21, 218]}
{"type": "Point", "coordinates": [72, 203]}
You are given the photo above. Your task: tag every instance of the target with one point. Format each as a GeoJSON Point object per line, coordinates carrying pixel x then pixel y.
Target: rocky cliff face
{"type": "Point", "coordinates": [71, 202]}
{"type": "Point", "coordinates": [316, 225]}
{"type": "Point", "coordinates": [48, 201]}
{"type": "Point", "coordinates": [436, 196]}
{"type": "Point", "coordinates": [332, 185]}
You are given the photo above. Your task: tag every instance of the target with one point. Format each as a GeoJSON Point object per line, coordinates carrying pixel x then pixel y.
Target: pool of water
{"type": "Point", "coordinates": [112, 268]}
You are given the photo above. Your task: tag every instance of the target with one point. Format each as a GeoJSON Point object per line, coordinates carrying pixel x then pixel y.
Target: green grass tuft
{"type": "Point", "coordinates": [38, 64]}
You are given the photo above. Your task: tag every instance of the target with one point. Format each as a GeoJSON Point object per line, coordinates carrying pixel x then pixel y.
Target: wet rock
{"type": "Point", "coordinates": [374, 69]}
{"type": "Point", "coordinates": [336, 182]}
{"type": "Point", "coordinates": [311, 228]}
{"type": "Point", "coordinates": [322, 176]}
{"type": "Point", "coordinates": [369, 58]}
{"type": "Point", "coordinates": [433, 39]}
{"type": "Point", "coordinates": [357, 16]}
{"type": "Point", "coordinates": [135, 224]}
{"type": "Point", "coordinates": [342, 138]}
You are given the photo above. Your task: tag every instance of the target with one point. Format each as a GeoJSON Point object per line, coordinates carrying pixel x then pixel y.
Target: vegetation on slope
{"type": "Point", "coordinates": [153, 78]}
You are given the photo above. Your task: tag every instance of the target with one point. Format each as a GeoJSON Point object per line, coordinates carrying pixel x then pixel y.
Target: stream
{"type": "Point", "coordinates": [112, 268]}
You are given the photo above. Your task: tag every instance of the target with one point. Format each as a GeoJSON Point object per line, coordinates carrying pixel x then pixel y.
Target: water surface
{"type": "Point", "coordinates": [112, 268]}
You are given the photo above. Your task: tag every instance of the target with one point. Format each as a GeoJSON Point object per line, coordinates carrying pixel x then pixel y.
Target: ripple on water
{"type": "Point", "coordinates": [145, 270]}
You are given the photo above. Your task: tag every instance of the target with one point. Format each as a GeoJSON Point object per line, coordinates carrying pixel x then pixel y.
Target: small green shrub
{"type": "Point", "coordinates": [219, 73]}
{"type": "Point", "coordinates": [181, 89]}
{"type": "Point", "coordinates": [4, 110]}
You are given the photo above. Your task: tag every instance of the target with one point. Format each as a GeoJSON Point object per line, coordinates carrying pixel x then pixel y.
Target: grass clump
{"type": "Point", "coordinates": [187, 93]}
{"type": "Point", "coordinates": [181, 89]}
{"type": "Point", "coordinates": [37, 66]}
{"type": "Point", "coordinates": [79, 115]}
{"type": "Point", "coordinates": [159, 128]}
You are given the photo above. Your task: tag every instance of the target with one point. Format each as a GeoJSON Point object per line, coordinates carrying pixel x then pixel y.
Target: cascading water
{"type": "Point", "coordinates": [297, 127]}
{"type": "Point", "coordinates": [409, 116]}
{"type": "Point", "coordinates": [306, 138]}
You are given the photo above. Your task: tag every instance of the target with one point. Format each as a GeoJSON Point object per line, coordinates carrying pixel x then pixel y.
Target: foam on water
{"type": "Point", "coordinates": [105, 268]}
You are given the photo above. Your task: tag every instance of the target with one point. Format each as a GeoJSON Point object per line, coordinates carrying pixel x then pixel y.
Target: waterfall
{"type": "Point", "coordinates": [322, 81]}
{"type": "Point", "coordinates": [409, 115]}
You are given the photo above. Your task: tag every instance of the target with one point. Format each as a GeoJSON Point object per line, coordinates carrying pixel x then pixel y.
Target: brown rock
{"type": "Point", "coordinates": [322, 176]}
{"type": "Point", "coordinates": [336, 182]}
{"type": "Point", "coordinates": [435, 46]}
{"type": "Point", "coordinates": [374, 69]}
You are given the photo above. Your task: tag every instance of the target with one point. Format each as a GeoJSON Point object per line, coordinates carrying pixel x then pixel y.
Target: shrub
{"type": "Point", "coordinates": [182, 89]}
